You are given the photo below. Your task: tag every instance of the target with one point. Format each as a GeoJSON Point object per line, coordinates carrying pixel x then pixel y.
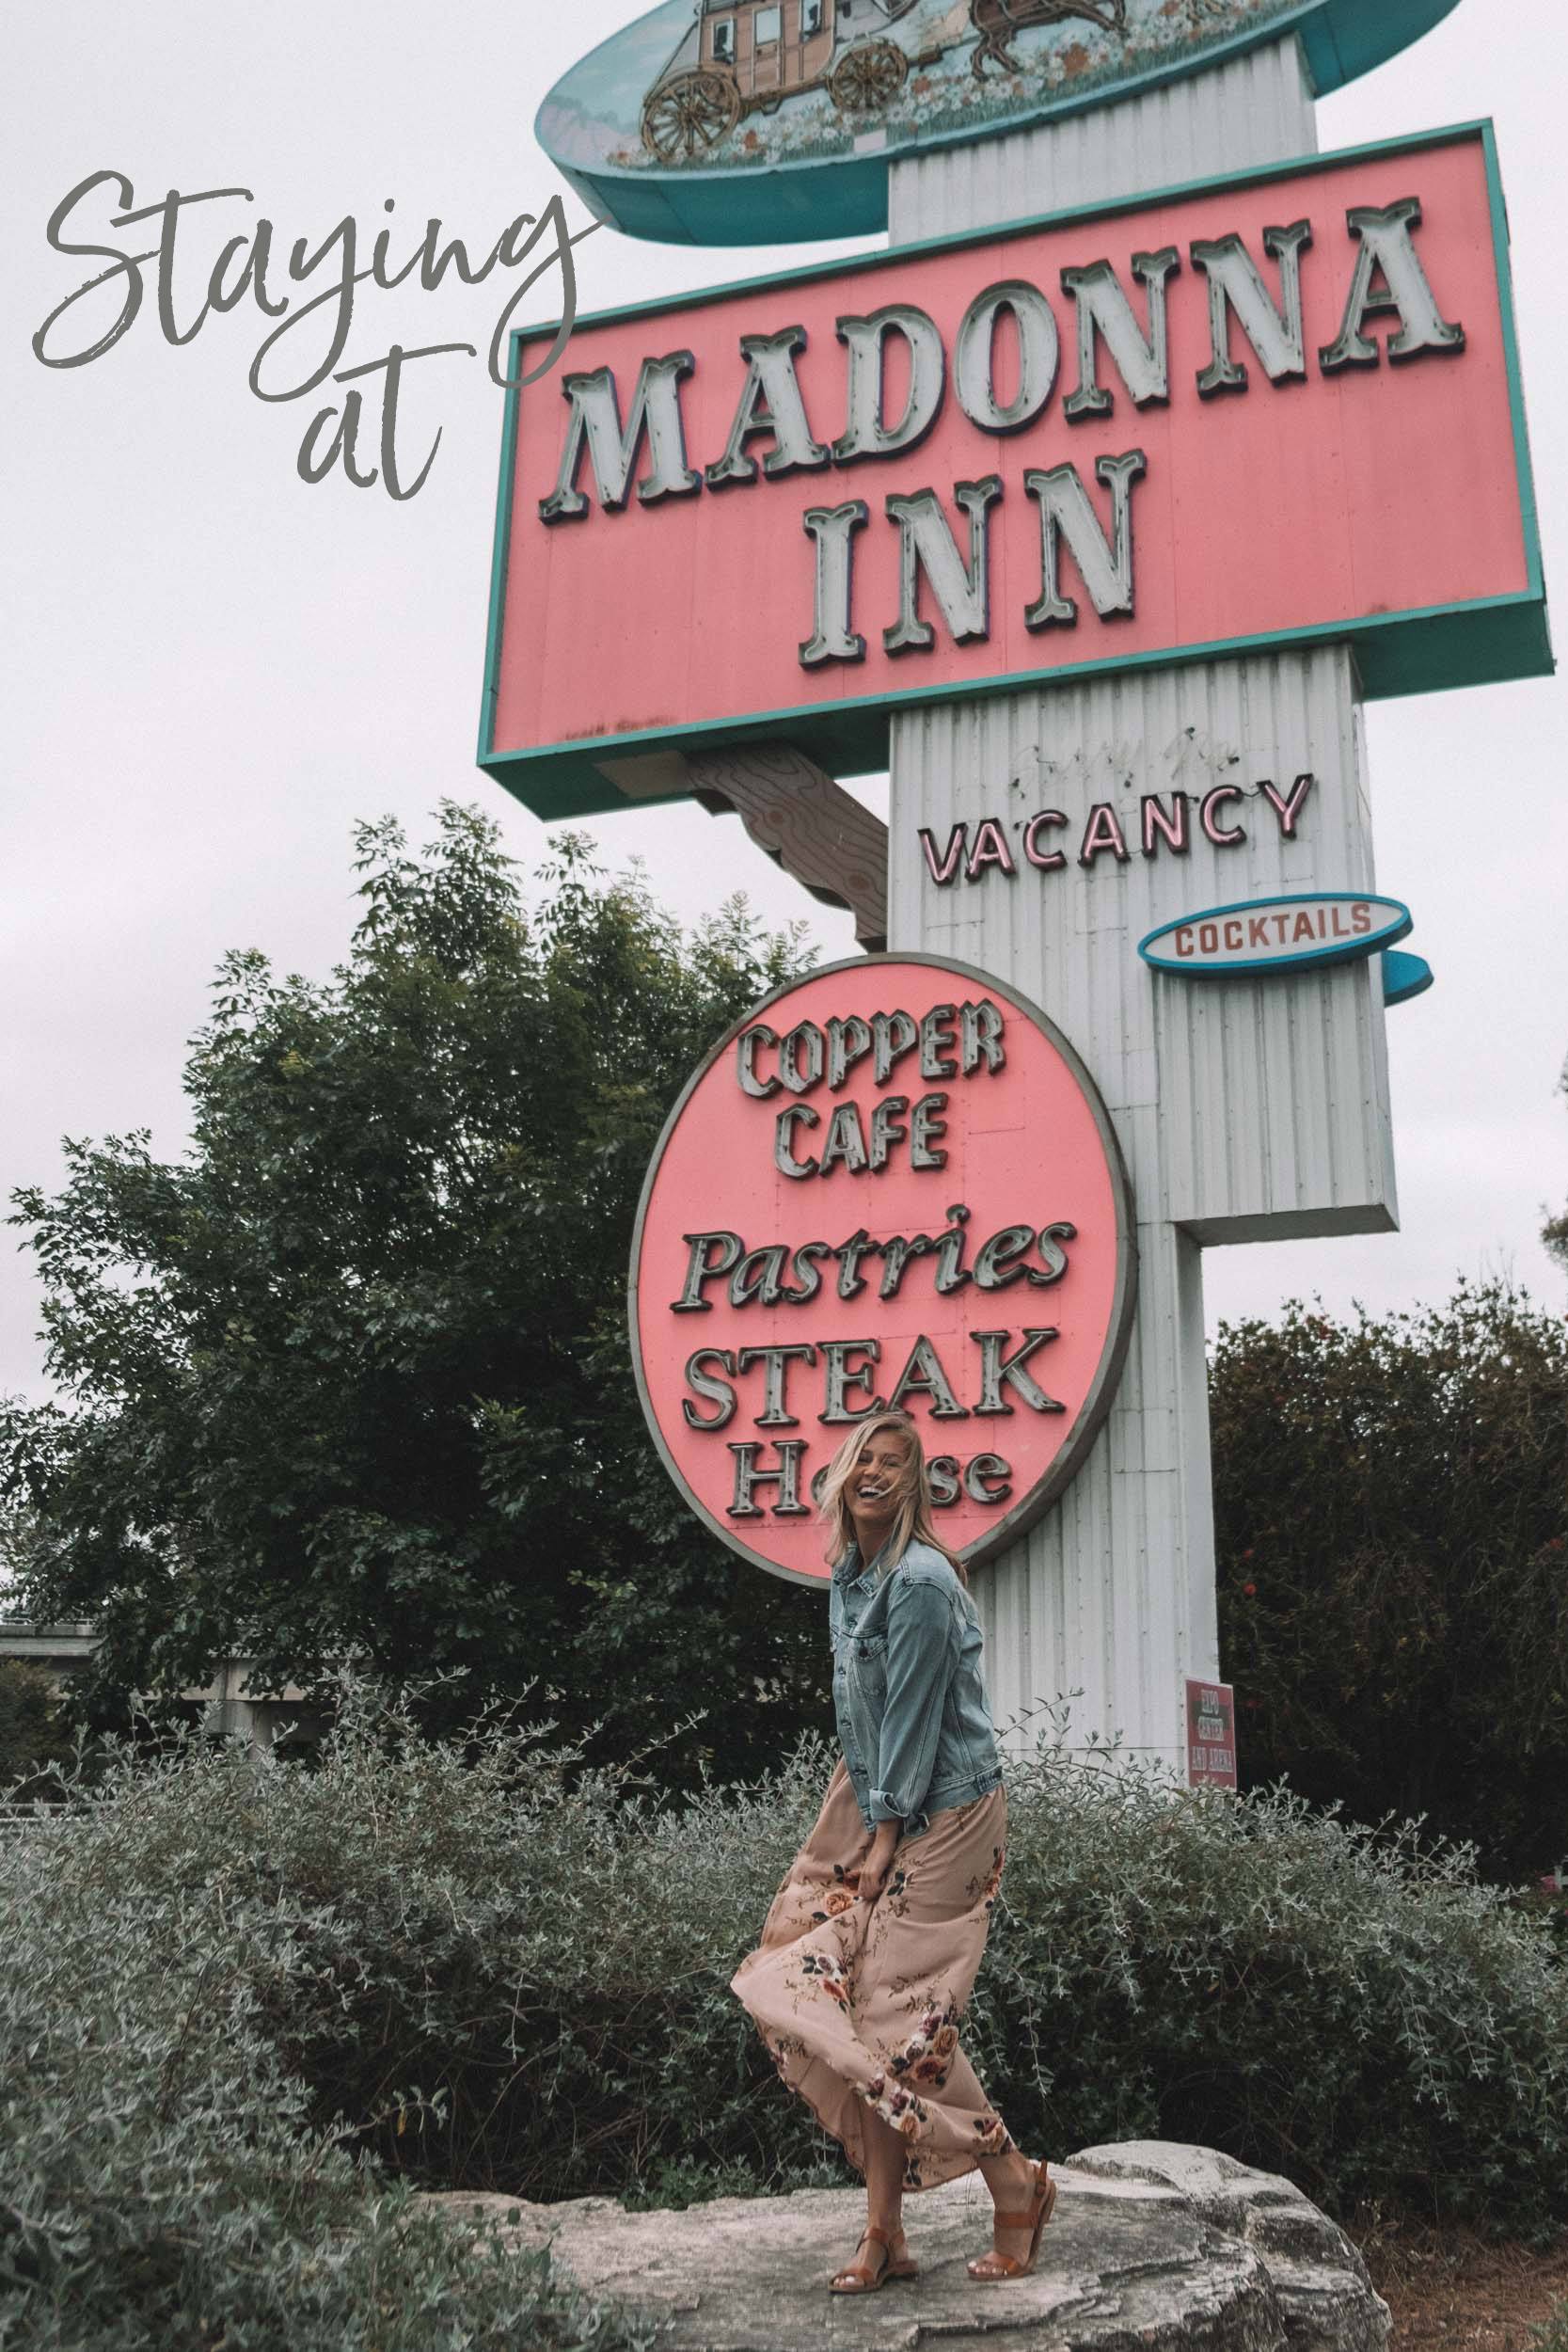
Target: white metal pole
{"type": "Point", "coordinates": [1250, 1111]}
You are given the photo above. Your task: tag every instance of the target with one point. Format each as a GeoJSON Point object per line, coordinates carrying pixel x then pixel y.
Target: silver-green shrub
{"type": "Point", "coordinates": [244, 2003]}
{"type": "Point", "coordinates": [166, 2181]}
{"type": "Point", "coordinates": [1346, 2005]}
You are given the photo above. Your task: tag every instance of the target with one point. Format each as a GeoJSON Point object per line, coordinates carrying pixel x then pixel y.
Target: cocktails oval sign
{"type": "Point", "coordinates": [749, 121]}
{"type": "Point", "coordinates": [1276, 935]}
{"type": "Point", "coordinates": [893, 1181]}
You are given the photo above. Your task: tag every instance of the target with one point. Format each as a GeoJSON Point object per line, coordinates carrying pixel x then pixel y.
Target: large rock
{"type": "Point", "coordinates": [1151, 2246]}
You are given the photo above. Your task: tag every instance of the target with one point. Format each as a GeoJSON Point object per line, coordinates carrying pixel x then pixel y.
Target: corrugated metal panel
{"type": "Point", "coordinates": [1235, 1106]}
{"type": "Point", "coordinates": [1263, 1100]}
{"type": "Point", "coordinates": [1256, 110]}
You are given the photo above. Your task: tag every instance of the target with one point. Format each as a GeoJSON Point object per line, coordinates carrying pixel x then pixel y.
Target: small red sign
{"type": "Point", "coordinates": [893, 1182]}
{"type": "Point", "coordinates": [1210, 1735]}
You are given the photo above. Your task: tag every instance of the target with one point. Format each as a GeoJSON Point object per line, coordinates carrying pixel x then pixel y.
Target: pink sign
{"type": "Point", "coordinates": [894, 1182]}
{"type": "Point", "coordinates": [1278, 407]}
{"type": "Point", "coordinates": [1210, 1735]}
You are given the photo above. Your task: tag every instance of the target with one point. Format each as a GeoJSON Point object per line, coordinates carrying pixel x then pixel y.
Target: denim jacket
{"type": "Point", "coordinates": [909, 1690]}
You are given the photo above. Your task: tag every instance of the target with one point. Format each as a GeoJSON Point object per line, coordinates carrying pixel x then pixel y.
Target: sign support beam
{"type": "Point", "coordinates": [808, 824]}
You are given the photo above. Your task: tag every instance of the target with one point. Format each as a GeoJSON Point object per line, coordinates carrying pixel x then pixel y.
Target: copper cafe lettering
{"type": "Point", "coordinates": [952, 1042]}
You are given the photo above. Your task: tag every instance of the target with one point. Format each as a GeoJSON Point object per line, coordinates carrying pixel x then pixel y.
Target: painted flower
{"type": "Point", "coordinates": [838, 1901]}
{"type": "Point", "coordinates": [947, 2041]}
{"type": "Point", "coordinates": [910, 2125]}
{"type": "Point", "coordinates": [930, 2070]}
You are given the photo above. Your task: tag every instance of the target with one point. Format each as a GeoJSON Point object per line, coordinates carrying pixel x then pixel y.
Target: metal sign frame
{"type": "Point", "coordinates": [1405, 977]}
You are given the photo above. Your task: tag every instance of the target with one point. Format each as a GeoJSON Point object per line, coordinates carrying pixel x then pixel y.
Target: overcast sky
{"type": "Point", "coordinates": [212, 669]}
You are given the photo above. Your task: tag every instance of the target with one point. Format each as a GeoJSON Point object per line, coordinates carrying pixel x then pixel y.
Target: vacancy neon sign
{"type": "Point", "coordinates": [1278, 409]}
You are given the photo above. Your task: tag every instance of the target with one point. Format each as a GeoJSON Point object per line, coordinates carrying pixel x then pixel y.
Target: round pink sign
{"type": "Point", "coordinates": [893, 1182]}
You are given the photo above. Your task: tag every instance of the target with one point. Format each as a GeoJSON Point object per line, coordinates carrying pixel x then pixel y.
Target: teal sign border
{"type": "Point", "coordinates": [847, 196]}
{"type": "Point", "coordinates": [1342, 951]}
{"type": "Point", "coordinates": [1482, 642]}
{"type": "Point", "coordinates": [1404, 977]}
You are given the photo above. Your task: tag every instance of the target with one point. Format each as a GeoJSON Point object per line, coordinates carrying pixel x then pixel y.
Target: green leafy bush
{"type": "Point", "coordinates": [1391, 1522]}
{"type": "Point", "coordinates": [507, 1970]}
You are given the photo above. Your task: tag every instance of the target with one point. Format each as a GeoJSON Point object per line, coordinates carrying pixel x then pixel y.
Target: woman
{"type": "Point", "coordinates": [870, 1948]}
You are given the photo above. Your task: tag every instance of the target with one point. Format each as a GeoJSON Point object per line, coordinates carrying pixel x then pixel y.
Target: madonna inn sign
{"type": "Point", "coordinates": [910, 1194]}
{"type": "Point", "coordinates": [1093, 508]}
{"type": "Point", "coordinates": [1279, 410]}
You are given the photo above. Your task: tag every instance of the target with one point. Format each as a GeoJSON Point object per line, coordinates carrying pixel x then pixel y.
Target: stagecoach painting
{"type": "Point", "coordinates": [746, 56]}
{"type": "Point", "coordinates": [746, 122]}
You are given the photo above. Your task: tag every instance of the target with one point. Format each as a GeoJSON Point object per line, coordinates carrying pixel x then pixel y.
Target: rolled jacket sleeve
{"type": "Point", "coordinates": [922, 1644]}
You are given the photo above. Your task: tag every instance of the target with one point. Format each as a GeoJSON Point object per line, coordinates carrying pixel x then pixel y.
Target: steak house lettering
{"type": "Point", "coordinates": [959, 1043]}
{"type": "Point", "coordinates": [1116, 329]}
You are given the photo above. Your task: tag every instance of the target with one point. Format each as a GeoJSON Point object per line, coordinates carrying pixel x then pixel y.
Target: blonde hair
{"type": "Point", "coordinates": [913, 1524]}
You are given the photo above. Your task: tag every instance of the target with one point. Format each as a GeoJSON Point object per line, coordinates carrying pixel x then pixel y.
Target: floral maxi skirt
{"type": "Point", "coordinates": [859, 2003]}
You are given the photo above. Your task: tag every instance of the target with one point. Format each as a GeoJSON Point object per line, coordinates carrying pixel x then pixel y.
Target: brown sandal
{"type": "Point", "coordinates": [1033, 2218]}
{"type": "Point", "coordinates": [856, 2279]}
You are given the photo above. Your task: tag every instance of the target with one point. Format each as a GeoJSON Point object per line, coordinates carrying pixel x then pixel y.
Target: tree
{"type": "Point", "coordinates": [31, 1732]}
{"type": "Point", "coordinates": [1391, 1504]}
{"type": "Point", "coordinates": [352, 1378]}
{"type": "Point", "coordinates": [1555, 1231]}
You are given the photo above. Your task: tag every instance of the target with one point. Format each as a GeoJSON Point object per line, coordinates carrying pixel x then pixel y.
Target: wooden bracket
{"type": "Point", "coordinates": [808, 824]}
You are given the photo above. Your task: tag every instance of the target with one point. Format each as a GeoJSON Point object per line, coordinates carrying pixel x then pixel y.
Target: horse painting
{"type": "Point", "coordinates": [997, 21]}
